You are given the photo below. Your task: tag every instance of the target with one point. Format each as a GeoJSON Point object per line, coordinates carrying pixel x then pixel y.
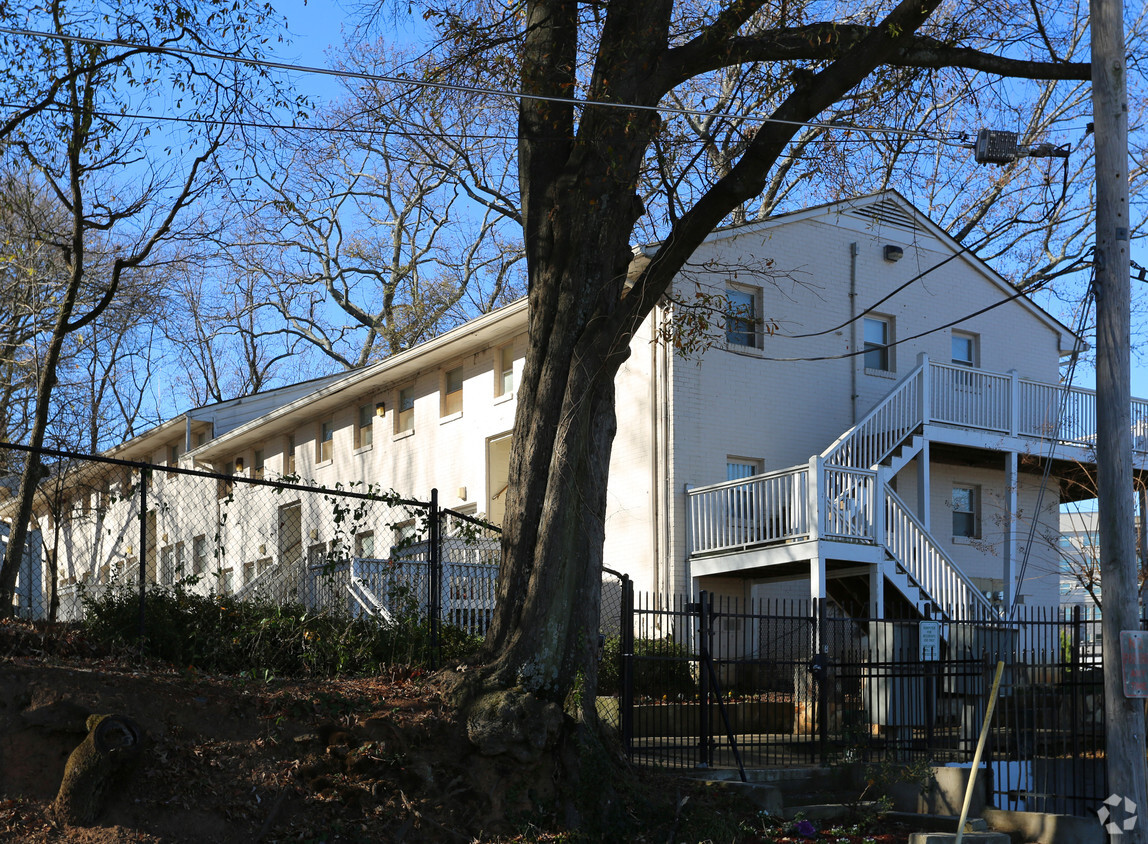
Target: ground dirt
{"type": "Point", "coordinates": [249, 759]}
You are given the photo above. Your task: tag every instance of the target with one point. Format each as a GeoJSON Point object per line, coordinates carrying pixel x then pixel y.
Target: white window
{"type": "Point", "coordinates": [326, 444]}
{"type": "Point", "coordinates": [289, 456]}
{"type": "Point", "coordinates": [364, 426]}
{"type": "Point", "coordinates": [966, 511]}
{"type": "Point", "coordinates": [742, 317]}
{"type": "Point", "coordinates": [452, 392]}
{"type": "Point", "coordinates": [738, 469]}
{"type": "Point", "coordinates": [405, 418]}
{"type": "Point", "coordinates": [166, 565]}
{"type": "Point", "coordinates": [199, 555]}
{"type": "Point", "coordinates": [504, 361]}
{"type": "Point", "coordinates": [965, 349]}
{"type": "Point", "coordinates": [365, 544]}
{"type": "Point", "coordinates": [878, 337]}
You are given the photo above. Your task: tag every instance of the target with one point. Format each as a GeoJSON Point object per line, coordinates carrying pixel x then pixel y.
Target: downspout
{"type": "Point", "coordinates": [854, 251]}
{"type": "Point", "coordinates": [655, 454]}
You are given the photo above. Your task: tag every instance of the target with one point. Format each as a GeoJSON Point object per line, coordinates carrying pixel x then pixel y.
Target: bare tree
{"type": "Point", "coordinates": [371, 238]}
{"type": "Point", "coordinates": [118, 195]}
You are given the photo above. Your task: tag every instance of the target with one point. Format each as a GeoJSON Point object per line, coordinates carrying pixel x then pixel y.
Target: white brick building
{"type": "Point", "coordinates": [877, 432]}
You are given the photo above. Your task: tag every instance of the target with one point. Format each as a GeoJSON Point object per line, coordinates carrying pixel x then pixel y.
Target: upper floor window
{"type": "Point", "coordinates": [741, 316]}
{"type": "Point", "coordinates": [966, 511]}
{"type": "Point", "coordinates": [258, 464]}
{"type": "Point", "coordinates": [326, 445]}
{"type": "Point", "coordinates": [364, 426]}
{"type": "Point", "coordinates": [405, 418]}
{"type": "Point", "coordinates": [452, 391]}
{"type": "Point", "coordinates": [878, 337]}
{"type": "Point", "coordinates": [289, 456]}
{"type": "Point", "coordinates": [965, 351]}
{"type": "Point", "coordinates": [504, 360]}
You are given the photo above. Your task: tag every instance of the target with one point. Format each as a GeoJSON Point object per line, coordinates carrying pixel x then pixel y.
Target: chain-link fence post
{"type": "Point", "coordinates": [143, 552]}
{"type": "Point", "coordinates": [435, 564]}
{"type": "Point", "coordinates": [626, 632]}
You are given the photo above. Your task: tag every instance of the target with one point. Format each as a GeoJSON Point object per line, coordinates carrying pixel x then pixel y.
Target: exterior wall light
{"type": "Point", "coordinates": [893, 254]}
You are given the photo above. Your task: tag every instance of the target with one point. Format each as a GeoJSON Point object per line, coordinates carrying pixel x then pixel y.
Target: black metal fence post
{"type": "Point", "coordinates": [704, 631]}
{"type": "Point", "coordinates": [435, 565]}
{"type": "Point", "coordinates": [821, 677]}
{"type": "Point", "coordinates": [626, 630]}
{"type": "Point", "coordinates": [142, 557]}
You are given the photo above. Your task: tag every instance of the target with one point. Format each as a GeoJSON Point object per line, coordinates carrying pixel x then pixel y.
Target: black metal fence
{"type": "Point", "coordinates": [725, 683]}
{"type": "Point", "coordinates": [100, 523]}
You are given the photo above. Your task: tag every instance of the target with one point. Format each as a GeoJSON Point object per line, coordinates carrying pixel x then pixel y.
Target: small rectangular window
{"type": "Point", "coordinates": [504, 386]}
{"type": "Point", "coordinates": [964, 349]}
{"type": "Point", "coordinates": [452, 392]}
{"type": "Point", "coordinates": [199, 555]}
{"type": "Point", "coordinates": [405, 418]}
{"type": "Point", "coordinates": [326, 444]}
{"type": "Point", "coordinates": [365, 544]}
{"type": "Point", "coordinates": [741, 317]}
{"type": "Point", "coordinates": [364, 426]}
{"type": "Point", "coordinates": [289, 456]}
{"type": "Point", "coordinates": [966, 507]}
{"type": "Point", "coordinates": [878, 335]}
{"type": "Point", "coordinates": [258, 465]}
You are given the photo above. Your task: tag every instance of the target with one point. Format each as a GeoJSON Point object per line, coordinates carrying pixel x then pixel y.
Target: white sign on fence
{"type": "Point", "coordinates": [929, 637]}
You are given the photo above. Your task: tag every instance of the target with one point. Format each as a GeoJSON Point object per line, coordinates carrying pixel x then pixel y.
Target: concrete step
{"type": "Point", "coordinates": [948, 837]}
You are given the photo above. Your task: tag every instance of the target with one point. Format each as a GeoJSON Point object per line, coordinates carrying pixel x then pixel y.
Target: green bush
{"type": "Point", "coordinates": [662, 667]}
{"type": "Point", "coordinates": [218, 634]}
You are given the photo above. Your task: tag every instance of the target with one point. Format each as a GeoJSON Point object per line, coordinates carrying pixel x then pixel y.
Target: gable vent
{"type": "Point", "coordinates": [888, 213]}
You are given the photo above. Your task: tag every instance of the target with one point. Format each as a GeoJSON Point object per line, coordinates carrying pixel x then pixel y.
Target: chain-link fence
{"type": "Point", "coordinates": [97, 523]}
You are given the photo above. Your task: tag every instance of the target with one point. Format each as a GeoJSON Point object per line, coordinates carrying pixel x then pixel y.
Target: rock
{"type": "Point", "coordinates": [513, 722]}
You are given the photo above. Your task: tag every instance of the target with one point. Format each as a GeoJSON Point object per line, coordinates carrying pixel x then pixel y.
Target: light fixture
{"type": "Point", "coordinates": [262, 549]}
{"type": "Point", "coordinates": [314, 534]}
{"type": "Point", "coordinates": [462, 493]}
{"type": "Point", "coordinates": [893, 254]}
{"type": "Point", "coordinates": [380, 408]}
{"type": "Point", "coordinates": [238, 464]}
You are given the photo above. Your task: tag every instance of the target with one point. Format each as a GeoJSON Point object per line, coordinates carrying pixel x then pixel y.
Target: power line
{"type": "Point", "coordinates": [949, 138]}
{"type": "Point", "coordinates": [958, 321]}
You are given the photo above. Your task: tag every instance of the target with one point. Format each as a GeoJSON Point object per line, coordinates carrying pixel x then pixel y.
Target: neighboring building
{"type": "Point", "coordinates": [882, 443]}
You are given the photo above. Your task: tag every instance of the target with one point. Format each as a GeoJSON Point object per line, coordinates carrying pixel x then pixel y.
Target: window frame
{"type": "Point", "coordinates": [289, 461]}
{"type": "Point", "coordinates": [325, 442]}
{"type": "Point", "coordinates": [364, 426]}
{"type": "Point", "coordinates": [452, 399]}
{"type": "Point", "coordinates": [743, 332]}
{"type": "Point", "coordinates": [405, 416]}
{"type": "Point", "coordinates": [505, 381]}
{"type": "Point", "coordinates": [874, 352]}
{"type": "Point", "coordinates": [972, 515]}
{"type": "Point", "coordinates": [974, 344]}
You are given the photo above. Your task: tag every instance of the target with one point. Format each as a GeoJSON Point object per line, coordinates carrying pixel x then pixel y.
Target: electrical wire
{"type": "Point", "coordinates": [953, 138]}
{"type": "Point", "coordinates": [1052, 443]}
{"type": "Point", "coordinates": [958, 321]}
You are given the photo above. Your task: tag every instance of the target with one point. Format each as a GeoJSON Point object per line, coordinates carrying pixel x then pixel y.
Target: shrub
{"type": "Point", "coordinates": [218, 634]}
{"type": "Point", "coordinates": [662, 667]}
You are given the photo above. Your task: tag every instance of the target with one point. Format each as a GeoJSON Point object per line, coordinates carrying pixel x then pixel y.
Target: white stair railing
{"type": "Point", "coordinates": [937, 576]}
{"type": "Point", "coordinates": [884, 428]}
{"type": "Point", "coordinates": [773, 507]}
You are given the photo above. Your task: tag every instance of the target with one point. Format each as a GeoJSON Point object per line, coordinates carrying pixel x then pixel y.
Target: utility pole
{"type": "Point", "coordinates": [1124, 716]}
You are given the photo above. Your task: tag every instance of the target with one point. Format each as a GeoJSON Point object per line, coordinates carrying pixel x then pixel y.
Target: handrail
{"type": "Point", "coordinates": [773, 507]}
{"type": "Point", "coordinates": [938, 577]}
{"type": "Point", "coordinates": [883, 428]}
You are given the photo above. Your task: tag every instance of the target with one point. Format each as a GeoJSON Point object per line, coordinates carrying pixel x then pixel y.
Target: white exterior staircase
{"type": "Point", "coordinates": [843, 494]}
